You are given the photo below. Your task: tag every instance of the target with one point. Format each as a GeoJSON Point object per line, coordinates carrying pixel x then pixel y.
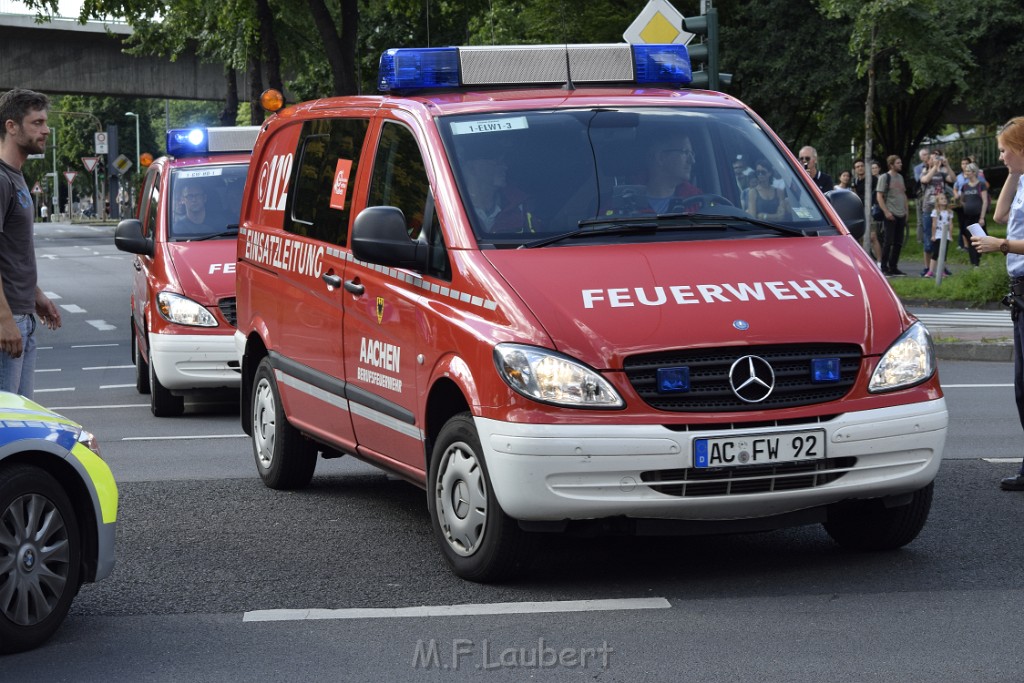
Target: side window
{"type": "Point", "coordinates": [327, 147]}
{"type": "Point", "coordinates": [400, 179]}
{"type": "Point", "coordinates": [150, 203]}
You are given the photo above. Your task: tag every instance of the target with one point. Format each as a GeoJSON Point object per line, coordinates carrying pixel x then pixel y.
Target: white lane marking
{"type": "Point", "coordinates": [50, 391]}
{"type": "Point", "coordinates": [89, 346]}
{"type": "Point", "coordinates": [458, 610]}
{"type": "Point", "coordinates": [73, 308]}
{"type": "Point", "coordinates": [115, 386]}
{"type": "Point", "coordinates": [52, 296]}
{"type": "Point", "coordinates": [49, 256]}
{"type": "Point", "coordinates": [1000, 461]}
{"type": "Point", "coordinates": [974, 386]}
{"type": "Point", "coordinates": [183, 438]}
{"type": "Point", "coordinates": [108, 367]}
{"type": "Point", "coordinates": [103, 407]}
{"type": "Point", "coordinates": [47, 369]}
{"type": "Point", "coordinates": [101, 325]}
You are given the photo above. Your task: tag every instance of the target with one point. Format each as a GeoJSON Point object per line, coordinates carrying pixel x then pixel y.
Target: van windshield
{"type": "Point", "coordinates": [206, 201]}
{"type": "Point", "coordinates": [526, 177]}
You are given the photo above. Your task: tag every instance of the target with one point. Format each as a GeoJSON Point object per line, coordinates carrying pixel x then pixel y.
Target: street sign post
{"type": "Point", "coordinates": [122, 164]}
{"type": "Point", "coordinates": [70, 177]}
{"type": "Point", "coordinates": [660, 23]}
{"type": "Point", "coordinates": [92, 164]}
{"type": "Point", "coordinates": [101, 143]}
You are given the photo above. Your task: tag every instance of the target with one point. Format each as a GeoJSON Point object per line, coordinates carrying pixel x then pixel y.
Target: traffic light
{"type": "Point", "coordinates": [706, 53]}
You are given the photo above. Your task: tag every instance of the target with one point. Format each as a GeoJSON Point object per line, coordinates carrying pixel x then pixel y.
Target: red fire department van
{"type": "Point", "coordinates": [183, 280]}
{"type": "Point", "coordinates": [527, 280]}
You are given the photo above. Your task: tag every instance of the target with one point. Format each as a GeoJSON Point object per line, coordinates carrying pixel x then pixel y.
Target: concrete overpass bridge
{"type": "Point", "coordinates": [63, 57]}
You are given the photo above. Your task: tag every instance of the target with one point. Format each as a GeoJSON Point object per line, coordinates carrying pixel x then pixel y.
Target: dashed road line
{"type": "Point", "coordinates": [184, 437]}
{"type": "Point", "coordinates": [459, 610]}
{"type": "Point", "coordinates": [73, 308]}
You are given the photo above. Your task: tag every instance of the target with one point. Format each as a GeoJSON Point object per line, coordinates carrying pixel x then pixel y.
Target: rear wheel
{"type": "Point", "coordinates": [479, 541]}
{"type": "Point", "coordinates": [285, 458]}
{"type": "Point", "coordinates": [870, 525]}
{"type": "Point", "coordinates": [161, 401]}
{"type": "Point", "coordinates": [40, 557]}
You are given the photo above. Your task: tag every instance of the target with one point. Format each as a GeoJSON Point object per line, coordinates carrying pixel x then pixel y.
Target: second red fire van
{"type": "Point", "coordinates": [183, 279]}
{"type": "Point", "coordinates": [530, 281]}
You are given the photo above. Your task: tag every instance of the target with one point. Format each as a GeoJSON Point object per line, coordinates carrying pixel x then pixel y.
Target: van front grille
{"type": "Point", "coordinates": [227, 309]}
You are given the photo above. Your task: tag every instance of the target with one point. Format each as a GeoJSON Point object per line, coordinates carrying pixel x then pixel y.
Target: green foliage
{"type": "Point", "coordinates": [976, 286]}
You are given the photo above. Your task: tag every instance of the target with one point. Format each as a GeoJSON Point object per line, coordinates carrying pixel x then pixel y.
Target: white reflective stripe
{"type": "Point", "coordinates": [380, 418]}
{"type": "Point", "coordinates": [386, 421]}
{"type": "Point", "coordinates": [310, 390]}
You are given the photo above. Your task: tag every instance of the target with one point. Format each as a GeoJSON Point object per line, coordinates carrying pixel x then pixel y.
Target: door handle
{"type": "Point", "coordinates": [354, 287]}
{"type": "Point", "coordinates": [331, 280]}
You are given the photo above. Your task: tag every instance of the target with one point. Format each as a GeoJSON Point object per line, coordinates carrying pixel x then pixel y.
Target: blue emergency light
{"type": "Point", "coordinates": [673, 380]}
{"type": "Point", "coordinates": [190, 142]}
{"type": "Point", "coordinates": [184, 142]}
{"type": "Point", "coordinates": [518, 65]}
{"type": "Point", "coordinates": [825, 370]}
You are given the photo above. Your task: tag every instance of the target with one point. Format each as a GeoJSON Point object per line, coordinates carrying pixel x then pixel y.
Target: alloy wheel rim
{"type": "Point", "coordinates": [35, 561]}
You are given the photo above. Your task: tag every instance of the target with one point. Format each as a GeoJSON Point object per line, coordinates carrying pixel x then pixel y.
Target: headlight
{"type": "Point", "coordinates": [553, 378]}
{"type": "Point", "coordinates": [89, 440]}
{"type": "Point", "coordinates": [911, 360]}
{"type": "Point", "coordinates": [182, 310]}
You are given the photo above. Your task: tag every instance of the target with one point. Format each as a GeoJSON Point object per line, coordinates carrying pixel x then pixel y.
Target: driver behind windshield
{"type": "Point", "coordinates": [192, 215]}
{"type": "Point", "coordinates": [496, 206]}
{"type": "Point", "coordinates": [669, 168]}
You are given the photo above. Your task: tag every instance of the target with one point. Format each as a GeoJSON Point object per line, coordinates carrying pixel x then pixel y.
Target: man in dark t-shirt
{"type": "Point", "coordinates": [23, 131]}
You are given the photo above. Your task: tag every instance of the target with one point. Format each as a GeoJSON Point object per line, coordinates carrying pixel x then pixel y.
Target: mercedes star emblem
{"type": "Point", "coordinates": [752, 379]}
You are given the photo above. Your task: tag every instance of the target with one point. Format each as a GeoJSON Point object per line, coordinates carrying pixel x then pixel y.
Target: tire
{"type": "Point", "coordinates": [479, 541]}
{"type": "Point", "coordinates": [161, 401]}
{"type": "Point", "coordinates": [40, 557]}
{"type": "Point", "coordinates": [285, 459]}
{"type": "Point", "coordinates": [141, 366]}
{"type": "Point", "coordinates": [869, 525]}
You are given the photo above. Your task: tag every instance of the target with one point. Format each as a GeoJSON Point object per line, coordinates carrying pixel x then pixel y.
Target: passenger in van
{"type": "Point", "coordinates": [766, 201]}
{"type": "Point", "coordinates": [669, 170]}
{"type": "Point", "coordinates": [495, 206]}
{"type": "Point", "coordinates": [193, 217]}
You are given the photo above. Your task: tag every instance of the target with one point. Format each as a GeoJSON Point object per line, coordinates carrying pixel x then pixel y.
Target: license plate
{"type": "Point", "coordinates": [759, 449]}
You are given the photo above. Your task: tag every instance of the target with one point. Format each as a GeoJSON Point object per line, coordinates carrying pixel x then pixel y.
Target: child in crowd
{"type": "Point", "coordinates": [942, 221]}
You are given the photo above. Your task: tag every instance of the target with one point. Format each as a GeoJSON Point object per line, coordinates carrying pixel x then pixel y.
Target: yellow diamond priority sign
{"type": "Point", "coordinates": [658, 22]}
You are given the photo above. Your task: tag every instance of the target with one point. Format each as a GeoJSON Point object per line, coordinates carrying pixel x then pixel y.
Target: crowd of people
{"type": "Point", "coordinates": [940, 194]}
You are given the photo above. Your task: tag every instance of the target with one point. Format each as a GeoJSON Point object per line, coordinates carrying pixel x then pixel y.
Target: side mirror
{"type": "Point", "coordinates": [850, 209]}
{"type": "Point", "coordinates": [128, 237]}
{"type": "Point", "coordinates": [379, 235]}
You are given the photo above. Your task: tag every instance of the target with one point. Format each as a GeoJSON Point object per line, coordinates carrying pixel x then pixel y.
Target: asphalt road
{"type": "Point", "coordinates": [204, 549]}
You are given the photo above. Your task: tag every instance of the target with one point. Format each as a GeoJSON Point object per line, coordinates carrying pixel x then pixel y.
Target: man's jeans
{"type": "Point", "coordinates": [17, 374]}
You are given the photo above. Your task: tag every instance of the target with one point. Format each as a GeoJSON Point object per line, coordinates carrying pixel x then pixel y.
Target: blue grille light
{"type": "Point", "coordinates": [416, 68]}
{"type": "Point", "coordinates": [673, 380]}
{"type": "Point", "coordinates": [662, 64]}
{"type": "Point", "coordinates": [184, 142]}
{"type": "Point", "coordinates": [825, 369]}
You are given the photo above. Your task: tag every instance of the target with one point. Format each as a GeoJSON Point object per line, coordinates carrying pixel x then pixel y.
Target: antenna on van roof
{"type": "Point", "coordinates": [565, 41]}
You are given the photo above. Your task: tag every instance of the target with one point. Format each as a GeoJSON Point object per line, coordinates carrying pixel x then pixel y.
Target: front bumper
{"type": "Point", "coordinates": [194, 361]}
{"type": "Point", "coordinates": [571, 472]}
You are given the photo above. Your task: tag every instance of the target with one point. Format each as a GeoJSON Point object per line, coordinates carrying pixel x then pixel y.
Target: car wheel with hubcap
{"type": "Point", "coordinates": [40, 557]}
{"type": "Point", "coordinates": [870, 525]}
{"type": "Point", "coordinates": [285, 458]}
{"type": "Point", "coordinates": [480, 542]}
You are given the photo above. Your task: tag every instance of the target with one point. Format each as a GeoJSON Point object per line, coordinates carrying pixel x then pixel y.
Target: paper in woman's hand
{"type": "Point", "coordinates": [976, 230]}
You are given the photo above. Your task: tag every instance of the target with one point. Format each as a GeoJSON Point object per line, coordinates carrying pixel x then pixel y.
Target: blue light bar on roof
{"type": "Point", "coordinates": [452, 67]}
{"type": "Point", "coordinates": [186, 142]}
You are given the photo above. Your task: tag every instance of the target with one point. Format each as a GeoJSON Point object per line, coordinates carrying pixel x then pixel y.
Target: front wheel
{"type": "Point", "coordinates": [162, 403]}
{"type": "Point", "coordinates": [141, 366]}
{"type": "Point", "coordinates": [285, 458]}
{"type": "Point", "coordinates": [40, 557]}
{"type": "Point", "coordinates": [480, 542]}
{"type": "Point", "coordinates": [870, 525]}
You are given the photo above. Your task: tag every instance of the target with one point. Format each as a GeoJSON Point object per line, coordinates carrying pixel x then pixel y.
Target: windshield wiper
{"type": "Point", "coordinates": [589, 227]}
{"type": "Point", "coordinates": [782, 229]}
{"type": "Point", "coordinates": [231, 231]}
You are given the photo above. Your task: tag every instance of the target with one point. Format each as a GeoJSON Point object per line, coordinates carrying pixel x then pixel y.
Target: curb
{"type": "Point", "coordinates": [967, 350]}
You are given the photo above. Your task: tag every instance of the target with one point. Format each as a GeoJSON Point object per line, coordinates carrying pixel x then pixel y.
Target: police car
{"type": "Point", "coordinates": [58, 516]}
{"type": "Point", "coordinates": [527, 279]}
{"type": "Point", "coordinates": [183, 278]}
